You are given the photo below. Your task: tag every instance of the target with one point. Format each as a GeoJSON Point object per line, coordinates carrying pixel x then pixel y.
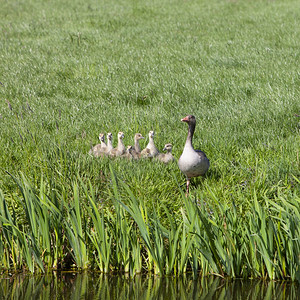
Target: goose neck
{"type": "Point", "coordinates": [189, 139]}
{"type": "Point", "coordinates": [109, 142]}
{"type": "Point", "coordinates": [121, 144]}
{"type": "Point", "coordinates": [137, 146]}
{"type": "Point", "coordinates": [151, 140]}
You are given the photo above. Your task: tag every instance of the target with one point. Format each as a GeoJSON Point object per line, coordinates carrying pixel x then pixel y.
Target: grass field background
{"type": "Point", "coordinates": [72, 69]}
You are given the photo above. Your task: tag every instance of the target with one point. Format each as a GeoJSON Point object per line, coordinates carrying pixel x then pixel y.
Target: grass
{"type": "Point", "coordinates": [74, 69]}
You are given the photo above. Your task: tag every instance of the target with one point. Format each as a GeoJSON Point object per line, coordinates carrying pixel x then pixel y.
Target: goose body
{"type": "Point", "coordinates": [150, 150]}
{"type": "Point", "coordinates": [166, 157]}
{"type": "Point", "coordinates": [192, 163]}
{"type": "Point", "coordinates": [120, 148]}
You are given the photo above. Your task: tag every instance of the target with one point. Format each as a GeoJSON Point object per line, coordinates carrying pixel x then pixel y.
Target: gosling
{"type": "Point", "coordinates": [128, 153]}
{"type": "Point", "coordinates": [150, 150]}
{"type": "Point", "coordinates": [120, 148]}
{"type": "Point", "coordinates": [99, 148]}
{"type": "Point", "coordinates": [136, 150]}
{"type": "Point", "coordinates": [166, 157]}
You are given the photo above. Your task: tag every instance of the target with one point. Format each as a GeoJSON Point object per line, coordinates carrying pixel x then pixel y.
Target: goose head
{"type": "Point", "coordinates": [151, 134]}
{"type": "Point", "coordinates": [168, 147]}
{"type": "Point", "coordinates": [101, 137]}
{"type": "Point", "coordinates": [109, 136]}
{"type": "Point", "coordinates": [120, 135]}
{"type": "Point", "coordinates": [190, 119]}
{"type": "Point", "coordinates": [129, 149]}
{"type": "Point", "coordinates": [138, 137]}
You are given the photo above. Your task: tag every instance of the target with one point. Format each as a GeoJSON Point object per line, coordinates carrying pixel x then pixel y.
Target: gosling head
{"type": "Point", "coordinates": [109, 136]}
{"type": "Point", "coordinates": [101, 137]}
{"type": "Point", "coordinates": [120, 135]}
{"type": "Point", "coordinates": [129, 149]}
{"type": "Point", "coordinates": [138, 137]}
{"type": "Point", "coordinates": [168, 147]}
{"type": "Point", "coordinates": [151, 134]}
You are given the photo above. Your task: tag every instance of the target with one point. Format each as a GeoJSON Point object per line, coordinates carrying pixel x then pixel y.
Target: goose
{"type": "Point", "coordinates": [136, 150]}
{"type": "Point", "coordinates": [106, 149]}
{"type": "Point", "coordinates": [166, 157]}
{"type": "Point", "coordinates": [150, 150]}
{"type": "Point", "coordinates": [192, 163]}
{"type": "Point", "coordinates": [120, 148]}
{"type": "Point", "coordinates": [128, 152]}
{"type": "Point", "coordinates": [97, 149]}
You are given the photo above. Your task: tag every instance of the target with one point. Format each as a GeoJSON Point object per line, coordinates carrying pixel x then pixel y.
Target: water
{"type": "Point", "coordinates": [70, 285]}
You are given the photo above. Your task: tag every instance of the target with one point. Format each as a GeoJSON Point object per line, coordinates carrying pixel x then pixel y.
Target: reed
{"type": "Point", "coordinates": [75, 226]}
{"type": "Point", "coordinates": [125, 236]}
{"type": "Point", "coordinates": [99, 232]}
{"type": "Point", "coordinates": [139, 213]}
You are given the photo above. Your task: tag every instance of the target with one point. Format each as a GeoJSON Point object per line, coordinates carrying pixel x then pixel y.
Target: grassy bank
{"type": "Point", "coordinates": [70, 70]}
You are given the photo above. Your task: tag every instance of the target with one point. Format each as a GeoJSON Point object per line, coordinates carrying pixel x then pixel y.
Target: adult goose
{"type": "Point", "coordinates": [120, 148]}
{"type": "Point", "coordinates": [192, 163]}
{"type": "Point", "coordinates": [166, 157]}
{"type": "Point", "coordinates": [150, 150]}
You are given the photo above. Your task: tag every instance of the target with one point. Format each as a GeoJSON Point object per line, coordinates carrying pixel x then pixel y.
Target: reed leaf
{"type": "Point", "coordinates": [75, 233]}
{"type": "Point", "coordinates": [136, 213]}
{"type": "Point", "coordinates": [99, 235]}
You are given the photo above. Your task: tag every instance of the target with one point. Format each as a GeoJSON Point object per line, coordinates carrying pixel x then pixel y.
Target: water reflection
{"type": "Point", "coordinates": [98, 286]}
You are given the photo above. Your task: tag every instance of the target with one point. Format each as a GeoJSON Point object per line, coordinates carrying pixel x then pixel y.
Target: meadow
{"type": "Point", "coordinates": [72, 69]}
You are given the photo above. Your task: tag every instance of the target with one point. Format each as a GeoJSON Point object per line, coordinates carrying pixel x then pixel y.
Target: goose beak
{"type": "Point", "coordinates": [186, 119]}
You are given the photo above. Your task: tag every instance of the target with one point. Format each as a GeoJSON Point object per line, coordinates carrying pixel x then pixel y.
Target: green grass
{"type": "Point", "coordinates": [70, 70]}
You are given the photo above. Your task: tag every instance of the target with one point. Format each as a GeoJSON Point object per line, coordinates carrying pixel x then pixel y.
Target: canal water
{"type": "Point", "coordinates": [72, 285]}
